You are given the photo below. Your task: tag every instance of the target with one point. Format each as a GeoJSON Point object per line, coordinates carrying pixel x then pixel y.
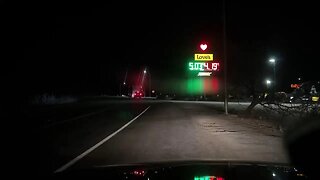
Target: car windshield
{"type": "Point", "coordinates": [97, 84]}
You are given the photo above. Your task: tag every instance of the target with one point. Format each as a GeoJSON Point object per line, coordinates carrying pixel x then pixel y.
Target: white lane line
{"type": "Point", "coordinates": [73, 161]}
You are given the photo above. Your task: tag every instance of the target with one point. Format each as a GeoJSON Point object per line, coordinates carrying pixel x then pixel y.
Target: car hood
{"type": "Point", "coordinates": [193, 170]}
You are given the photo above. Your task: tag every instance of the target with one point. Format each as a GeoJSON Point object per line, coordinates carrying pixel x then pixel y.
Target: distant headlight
{"type": "Point", "coordinates": [291, 97]}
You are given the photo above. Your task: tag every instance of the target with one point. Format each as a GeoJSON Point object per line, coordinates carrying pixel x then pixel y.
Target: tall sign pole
{"type": "Point", "coordinates": [225, 59]}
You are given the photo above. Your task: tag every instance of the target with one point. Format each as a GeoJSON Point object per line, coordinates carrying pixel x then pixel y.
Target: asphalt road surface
{"type": "Point", "coordinates": [127, 132]}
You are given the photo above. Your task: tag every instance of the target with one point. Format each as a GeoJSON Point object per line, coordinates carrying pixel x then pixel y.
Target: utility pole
{"type": "Point", "coordinates": [225, 58]}
{"type": "Point", "coordinates": [149, 83]}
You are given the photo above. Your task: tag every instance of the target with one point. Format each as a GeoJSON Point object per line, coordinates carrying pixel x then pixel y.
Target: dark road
{"type": "Point", "coordinates": [164, 131]}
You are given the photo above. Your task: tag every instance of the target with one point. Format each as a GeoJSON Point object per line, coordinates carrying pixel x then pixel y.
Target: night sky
{"type": "Point", "coordinates": [87, 47]}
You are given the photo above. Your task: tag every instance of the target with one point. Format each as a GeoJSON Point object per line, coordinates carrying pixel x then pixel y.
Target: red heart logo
{"type": "Point", "coordinates": [203, 46]}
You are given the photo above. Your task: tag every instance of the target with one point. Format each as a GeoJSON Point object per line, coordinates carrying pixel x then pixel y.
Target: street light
{"type": "Point", "coordinates": [145, 72]}
{"type": "Point", "coordinates": [268, 82]}
{"type": "Point", "coordinates": [273, 62]}
{"type": "Point", "coordinates": [299, 79]}
{"type": "Point", "coordinates": [124, 82]}
{"type": "Point", "coordinates": [120, 89]}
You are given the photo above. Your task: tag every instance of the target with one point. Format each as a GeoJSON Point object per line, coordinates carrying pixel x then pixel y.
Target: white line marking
{"type": "Point", "coordinates": [73, 161]}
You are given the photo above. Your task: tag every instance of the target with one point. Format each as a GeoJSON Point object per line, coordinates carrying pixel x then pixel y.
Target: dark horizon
{"type": "Point", "coordinates": [87, 48]}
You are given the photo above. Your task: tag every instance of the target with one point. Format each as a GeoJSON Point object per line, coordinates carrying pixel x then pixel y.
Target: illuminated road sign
{"type": "Point", "coordinates": [204, 63]}
{"type": "Point", "coordinates": [203, 57]}
{"type": "Point", "coordinates": [203, 66]}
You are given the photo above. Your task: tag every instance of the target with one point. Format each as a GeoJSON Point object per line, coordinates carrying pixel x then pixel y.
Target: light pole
{"type": "Point", "coordinates": [124, 82]}
{"type": "Point", "coordinates": [273, 62]}
{"type": "Point", "coordinates": [149, 74]}
{"type": "Point", "coordinates": [149, 84]}
{"type": "Point", "coordinates": [225, 57]}
{"type": "Point", "coordinates": [144, 75]}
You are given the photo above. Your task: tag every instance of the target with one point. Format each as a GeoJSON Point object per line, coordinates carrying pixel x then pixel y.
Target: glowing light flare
{"type": "Point", "coordinates": [203, 46]}
{"type": "Point", "coordinates": [199, 85]}
{"type": "Point", "coordinates": [194, 85]}
{"type": "Point", "coordinates": [268, 82]}
{"type": "Point", "coordinates": [211, 85]}
{"type": "Point", "coordinates": [315, 98]}
{"type": "Point", "coordinates": [215, 85]}
{"type": "Point", "coordinates": [208, 178]}
{"type": "Point", "coordinates": [272, 60]}
{"type": "Point", "coordinates": [295, 86]}
{"type": "Point", "coordinates": [138, 172]}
